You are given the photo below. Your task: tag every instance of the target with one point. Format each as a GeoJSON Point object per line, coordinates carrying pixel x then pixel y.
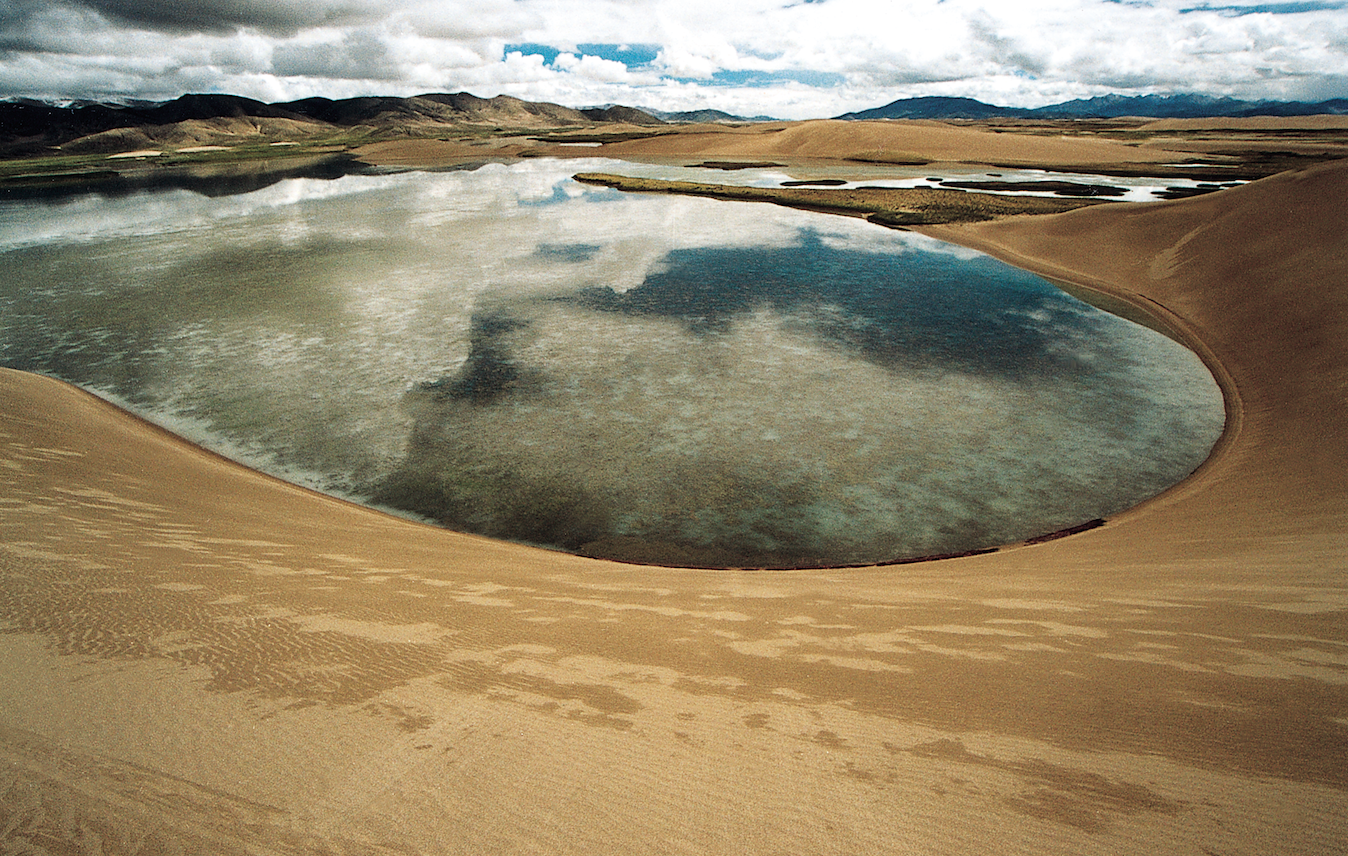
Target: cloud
{"type": "Point", "coordinates": [357, 55]}
{"type": "Point", "coordinates": [532, 49]}
{"type": "Point", "coordinates": [794, 60]}
{"type": "Point", "coordinates": [472, 20]}
{"type": "Point", "coordinates": [1005, 51]}
{"type": "Point", "coordinates": [273, 16]}
{"type": "Point", "coordinates": [627, 54]}
{"type": "Point", "coordinates": [35, 26]}
{"type": "Point", "coordinates": [595, 60]}
{"type": "Point", "coordinates": [592, 67]}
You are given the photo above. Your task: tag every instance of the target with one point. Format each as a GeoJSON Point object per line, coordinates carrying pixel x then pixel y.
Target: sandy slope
{"type": "Point", "coordinates": [1256, 275]}
{"type": "Point", "coordinates": [825, 139]}
{"type": "Point", "coordinates": [1251, 123]}
{"type": "Point", "coordinates": [934, 141]}
{"type": "Point", "coordinates": [195, 656]}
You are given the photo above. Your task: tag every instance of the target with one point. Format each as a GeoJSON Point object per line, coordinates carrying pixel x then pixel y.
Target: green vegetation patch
{"type": "Point", "coordinates": [598, 137]}
{"type": "Point", "coordinates": [893, 158]}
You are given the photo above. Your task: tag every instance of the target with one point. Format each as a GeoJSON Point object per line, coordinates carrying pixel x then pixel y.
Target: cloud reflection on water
{"type": "Point", "coordinates": [649, 377]}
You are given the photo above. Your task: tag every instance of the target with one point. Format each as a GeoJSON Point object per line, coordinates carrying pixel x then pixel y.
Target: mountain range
{"type": "Point", "coordinates": [1102, 107]}
{"type": "Point", "coordinates": [705, 116]}
{"type": "Point", "coordinates": [35, 127]}
{"type": "Point", "coordinates": [29, 127]}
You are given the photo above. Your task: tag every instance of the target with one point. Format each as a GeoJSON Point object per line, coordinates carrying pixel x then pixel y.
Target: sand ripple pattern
{"type": "Point", "coordinates": [910, 704]}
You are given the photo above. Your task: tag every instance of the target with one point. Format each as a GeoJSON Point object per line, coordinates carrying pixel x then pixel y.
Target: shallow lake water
{"type": "Point", "coordinates": [652, 378]}
{"type": "Point", "coordinates": [1019, 182]}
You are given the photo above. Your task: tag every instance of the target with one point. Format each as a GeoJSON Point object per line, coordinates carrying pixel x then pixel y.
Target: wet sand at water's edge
{"type": "Point", "coordinates": [198, 658]}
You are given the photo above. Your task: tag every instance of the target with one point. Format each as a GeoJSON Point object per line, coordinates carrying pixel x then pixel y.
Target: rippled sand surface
{"type": "Point", "coordinates": [200, 659]}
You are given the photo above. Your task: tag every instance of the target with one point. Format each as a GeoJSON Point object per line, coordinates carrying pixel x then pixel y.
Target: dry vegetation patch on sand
{"type": "Point", "coordinates": [886, 206]}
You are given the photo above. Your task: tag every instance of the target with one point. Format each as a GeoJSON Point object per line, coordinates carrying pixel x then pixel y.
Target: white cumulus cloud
{"type": "Point", "coordinates": [791, 59]}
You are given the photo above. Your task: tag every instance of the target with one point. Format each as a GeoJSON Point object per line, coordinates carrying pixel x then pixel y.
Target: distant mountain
{"type": "Point", "coordinates": [936, 107]}
{"type": "Point", "coordinates": [619, 113]}
{"type": "Point", "coordinates": [1184, 107]}
{"type": "Point", "coordinates": [437, 109]}
{"type": "Point", "coordinates": [32, 127]}
{"type": "Point", "coordinates": [51, 124]}
{"type": "Point", "coordinates": [1102, 107]}
{"type": "Point", "coordinates": [693, 117]}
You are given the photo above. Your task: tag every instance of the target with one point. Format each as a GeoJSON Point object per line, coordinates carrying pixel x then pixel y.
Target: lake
{"type": "Point", "coordinates": [652, 378]}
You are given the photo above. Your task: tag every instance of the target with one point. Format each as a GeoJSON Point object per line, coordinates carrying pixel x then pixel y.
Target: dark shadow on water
{"type": "Point", "coordinates": [211, 180]}
{"type": "Point", "coordinates": [910, 310]}
{"type": "Point", "coordinates": [902, 311]}
{"type": "Point", "coordinates": [490, 371]}
{"type": "Point", "coordinates": [568, 252]}
{"type": "Point", "coordinates": [497, 500]}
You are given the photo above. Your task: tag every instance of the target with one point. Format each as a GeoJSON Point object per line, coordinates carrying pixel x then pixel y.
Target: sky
{"type": "Point", "coordinates": [791, 59]}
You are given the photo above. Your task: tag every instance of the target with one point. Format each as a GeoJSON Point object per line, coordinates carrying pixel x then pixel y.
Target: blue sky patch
{"type": "Point", "coordinates": [756, 78]}
{"type": "Point", "coordinates": [1294, 8]}
{"type": "Point", "coordinates": [627, 54]}
{"type": "Point", "coordinates": [641, 54]}
{"type": "Point", "coordinates": [533, 49]}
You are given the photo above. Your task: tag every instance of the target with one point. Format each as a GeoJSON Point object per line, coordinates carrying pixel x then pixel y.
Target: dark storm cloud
{"type": "Point", "coordinates": [272, 16]}
{"type": "Point", "coordinates": [358, 56]}
{"type": "Point", "coordinates": [19, 29]}
{"type": "Point", "coordinates": [39, 27]}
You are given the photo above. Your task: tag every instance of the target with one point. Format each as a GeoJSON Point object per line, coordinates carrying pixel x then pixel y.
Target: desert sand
{"type": "Point", "coordinates": [826, 139]}
{"type": "Point", "coordinates": [881, 141]}
{"type": "Point", "coordinates": [197, 658]}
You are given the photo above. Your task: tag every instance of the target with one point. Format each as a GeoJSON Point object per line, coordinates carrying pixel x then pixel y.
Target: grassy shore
{"type": "Point", "coordinates": [886, 206]}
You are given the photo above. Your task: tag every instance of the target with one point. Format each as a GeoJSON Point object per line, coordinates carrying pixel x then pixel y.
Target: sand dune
{"type": "Point", "coordinates": [1248, 275]}
{"type": "Point", "coordinates": [824, 139]}
{"type": "Point", "coordinates": [201, 659]}
{"type": "Point", "coordinates": [933, 141]}
{"type": "Point", "coordinates": [1251, 123]}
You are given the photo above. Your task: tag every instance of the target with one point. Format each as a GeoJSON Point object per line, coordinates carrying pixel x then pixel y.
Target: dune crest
{"type": "Point", "coordinates": [874, 141]}
{"type": "Point", "coordinates": [1242, 282]}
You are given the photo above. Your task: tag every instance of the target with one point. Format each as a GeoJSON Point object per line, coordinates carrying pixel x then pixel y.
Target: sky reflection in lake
{"type": "Point", "coordinates": [647, 377]}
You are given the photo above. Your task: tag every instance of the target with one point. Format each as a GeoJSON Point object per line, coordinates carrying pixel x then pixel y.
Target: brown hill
{"type": "Point", "coordinates": [195, 132]}
{"type": "Point", "coordinates": [32, 128]}
{"type": "Point", "coordinates": [623, 115]}
{"type": "Point", "coordinates": [899, 142]}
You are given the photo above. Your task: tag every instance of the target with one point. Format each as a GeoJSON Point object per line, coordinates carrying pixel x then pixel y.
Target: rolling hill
{"type": "Point", "coordinates": [33, 127]}
{"type": "Point", "coordinates": [1102, 107]}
